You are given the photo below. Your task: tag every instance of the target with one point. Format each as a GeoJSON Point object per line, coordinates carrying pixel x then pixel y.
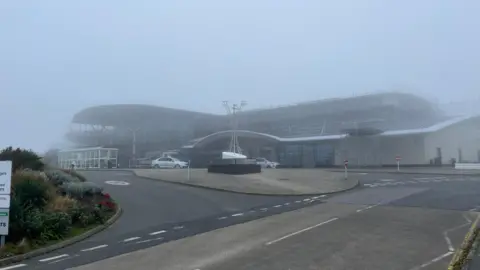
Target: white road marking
{"type": "Point", "coordinates": [387, 180]}
{"type": "Point", "coordinates": [13, 267]}
{"type": "Point", "coordinates": [298, 201]}
{"type": "Point", "coordinates": [368, 207]}
{"type": "Point", "coordinates": [433, 261]}
{"type": "Point", "coordinates": [117, 183]}
{"type": "Point", "coordinates": [149, 240]}
{"type": "Point", "coordinates": [306, 200]}
{"type": "Point", "coordinates": [178, 227]}
{"type": "Point", "coordinates": [94, 248]}
{"type": "Point", "coordinates": [264, 209]}
{"type": "Point", "coordinates": [252, 211]}
{"type": "Point", "coordinates": [64, 259]}
{"type": "Point", "coordinates": [160, 232]}
{"type": "Point", "coordinates": [131, 239]}
{"type": "Point", "coordinates": [237, 215]}
{"type": "Point", "coordinates": [53, 258]}
{"type": "Point", "coordinates": [317, 197]}
{"type": "Point", "coordinates": [301, 231]}
{"type": "Point", "coordinates": [220, 218]}
{"type": "Point", "coordinates": [363, 173]}
{"type": "Point", "coordinates": [286, 203]}
{"type": "Point", "coordinates": [278, 205]}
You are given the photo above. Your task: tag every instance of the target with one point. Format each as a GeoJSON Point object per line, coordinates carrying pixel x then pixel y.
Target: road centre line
{"type": "Point", "coordinates": [368, 207]}
{"type": "Point", "coordinates": [221, 218]}
{"type": "Point", "coordinates": [237, 215]}
{"type": "Point", "coordinates": [162, 231]}
{"type": "Point", "coordinates": [300, 231]}
{"type": "Point", "coordinates": [53, 258]}
{"type": "Point", "coordinates": [13, 266]}
{"type": "Point", "coordinates": [94, 248]}
{"type": "Point", "coordinates": [131, 239]}
{"type": "Point", "coordinates": [149, 240]}
{"type": "Point", "coordinates": [278, 205]}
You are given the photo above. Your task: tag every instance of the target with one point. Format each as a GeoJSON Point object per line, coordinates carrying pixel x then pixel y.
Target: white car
{"type": "Point", "coordinates": [265, 163]}
{"type": "Point", "coordinates": [168, 162]}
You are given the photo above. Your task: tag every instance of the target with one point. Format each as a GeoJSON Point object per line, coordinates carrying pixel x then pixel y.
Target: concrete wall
{"type": "Point", "coordinates": [464, 136]}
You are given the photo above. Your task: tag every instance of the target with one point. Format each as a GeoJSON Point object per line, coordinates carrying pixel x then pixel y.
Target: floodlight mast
{"type": "Point", "coordinates": [232, 112]}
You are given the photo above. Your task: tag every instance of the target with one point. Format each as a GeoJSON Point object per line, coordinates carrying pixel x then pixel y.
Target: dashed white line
{"type": "Point", "coordinates": [317, 197]}
{"type": "Point", "coordinates": [278, 205]}
{"type": "Point", "coordinates": [306, 200]}
{"type": "Point", "coordinates": [94, 248]}
{"type": "Point", "coordinates": [221, 218]}
{"type": "Point", "coordinates": [159, 232]}
{"type": "Point", "coordinates": [149, 240]}
{"type": "Point", "coordinates": [130, 239]}
{"type": "Point", "coordinates": [368, 207]}
{"type": "Point", "coordinates": [178, 227]}
{"type": "Point", "coordinates": [264, 209]}
{"type": "Point", "coordinates": [237, 215]}
{"type": "Point", "coordinates": [433, 261]}
{"type": "Point", "coordinates": [53, 258]}
{"type": "Point", "coordinates": [301, 231]}
{"type": "Point", "coordinates": [13, 266]}
{"type": "Point", "coordinates": [387, 180]}
{"type": "Point", "coordinates": [252, 211]}
{"type": "Point", "coordinates": [298, 201]}
{"type": "Point", "coordinates": [286, 203]}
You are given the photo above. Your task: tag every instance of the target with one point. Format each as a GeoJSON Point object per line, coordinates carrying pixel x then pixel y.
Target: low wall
{"type": "Point", "coordinates": [467, 166]}
{"type": "Point", "coordinates": [234, 168]}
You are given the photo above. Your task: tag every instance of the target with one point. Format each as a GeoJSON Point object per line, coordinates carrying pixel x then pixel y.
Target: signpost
{"type": "Point", "coordinates": [5, 188]}
{"type": "Point", "coordinates": [188, 171]}
{"type": "Point", "coordinates": [346, 168]}
{"type": "Point", "coordinates": [398, 158]}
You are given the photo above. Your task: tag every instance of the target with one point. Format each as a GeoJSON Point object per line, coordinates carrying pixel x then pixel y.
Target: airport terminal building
{"type": "Point", "coordinates": [369, 130]}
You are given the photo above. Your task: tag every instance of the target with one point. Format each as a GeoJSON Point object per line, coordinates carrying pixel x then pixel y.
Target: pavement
{"type": "Point", "coordinates": [268, 182]}
{"type": "Point", "coordinates": [413, 225]}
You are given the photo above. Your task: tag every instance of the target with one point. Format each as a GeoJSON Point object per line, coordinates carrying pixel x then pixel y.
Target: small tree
{"type": "Point", "coordinates": [22, 159]}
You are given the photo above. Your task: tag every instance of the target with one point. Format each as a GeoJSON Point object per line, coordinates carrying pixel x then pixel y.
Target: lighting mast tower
{"type": "Point", "coordinates": [232, 113]}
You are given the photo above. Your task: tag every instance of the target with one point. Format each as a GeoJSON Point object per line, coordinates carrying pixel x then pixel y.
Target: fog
{"type": "Point", "coordinates": [57, 57]}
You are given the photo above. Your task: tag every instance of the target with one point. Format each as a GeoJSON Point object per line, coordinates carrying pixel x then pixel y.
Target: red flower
{"type": "Point", "coordinates": [106, 195]}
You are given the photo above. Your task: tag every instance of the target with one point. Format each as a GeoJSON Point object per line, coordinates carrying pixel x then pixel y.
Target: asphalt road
{"type": "Point", "coordinates": [160, 212]}
{"type": "Point", "coordinates": [416, 209]}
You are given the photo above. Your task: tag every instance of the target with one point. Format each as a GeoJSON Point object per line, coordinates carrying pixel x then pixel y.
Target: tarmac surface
{"type": "Point", "coordinates": [415, 222]}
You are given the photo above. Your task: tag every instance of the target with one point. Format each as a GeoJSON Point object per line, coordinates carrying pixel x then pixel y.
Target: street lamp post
{"type": "Point", "coordinates": [232, 112]}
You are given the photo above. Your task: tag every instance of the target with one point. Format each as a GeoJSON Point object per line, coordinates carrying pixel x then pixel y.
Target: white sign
{"type": "Point", "coordinates": [4, 213]}
{"type": "Point", "coordinates": [5, 177]}
{"type": "Point", "coordinates": [4, 201]}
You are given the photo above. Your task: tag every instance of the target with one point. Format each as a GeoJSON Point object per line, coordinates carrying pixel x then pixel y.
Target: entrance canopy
{"type": "Point", "coordinates": [228, 133]}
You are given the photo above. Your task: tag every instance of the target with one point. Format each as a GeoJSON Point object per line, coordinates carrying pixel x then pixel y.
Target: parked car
{"type": "Point", "coordinates": [168, 162]}
{"type": "Point", "coordinates": [265, 163]}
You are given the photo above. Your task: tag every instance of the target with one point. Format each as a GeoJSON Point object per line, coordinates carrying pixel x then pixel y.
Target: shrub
{"type": "Point", "coordinates": [77, 175]}
{"type": "Point", "coordinates": [59, 177]}
{"type": "Point", "coordinates": [61, 204]}
{"type": "Point", "coordinates": [30, 190]}
{"type": "Point", "coordinates": [80, 190]}
{"type": "Point", "coordinates": [55, 225]}
{"type": "Point", "coordinates": [22, 158]}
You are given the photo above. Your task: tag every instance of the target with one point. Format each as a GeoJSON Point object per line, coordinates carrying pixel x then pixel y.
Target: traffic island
{"type": "Point", "coordinates": [47, 208]}
{"type": "Point", "coordinates": [281, 182]}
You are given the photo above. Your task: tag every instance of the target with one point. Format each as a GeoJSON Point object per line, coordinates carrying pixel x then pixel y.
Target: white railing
{"type": "Point", "coordinates": [467, 166]}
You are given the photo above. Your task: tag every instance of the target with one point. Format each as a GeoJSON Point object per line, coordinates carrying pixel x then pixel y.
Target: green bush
{"type": "Point", "coordinates": [80, 189]}
{"type": "Point", "coordinates": [22, 158]}
{"type": "Point", "coordinates": [77, 175]}
{"type": "Point", "coordinates": [55, 225]}
{"type": "Point", "coordinates": [30, 190]}
{"type": "Point", "coordinates": [60, 177]}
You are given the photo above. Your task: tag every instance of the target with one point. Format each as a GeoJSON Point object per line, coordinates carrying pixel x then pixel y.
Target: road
{"type": "Point", "coordinates": [390, 222]}
{"type": "Point", "coordinates": [159, 210]}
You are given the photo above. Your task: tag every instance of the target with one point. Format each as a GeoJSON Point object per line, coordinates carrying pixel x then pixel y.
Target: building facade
{"type": "Point", "coordinates": [369, 130]}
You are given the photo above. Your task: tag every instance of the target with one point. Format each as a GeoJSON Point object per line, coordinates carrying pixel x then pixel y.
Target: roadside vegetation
{"type": "Point", "coordinates": [49, 204]}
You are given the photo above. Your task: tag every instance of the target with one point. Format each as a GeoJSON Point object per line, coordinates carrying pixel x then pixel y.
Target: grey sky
{"type": "Point", "coordinates": [57, 57]}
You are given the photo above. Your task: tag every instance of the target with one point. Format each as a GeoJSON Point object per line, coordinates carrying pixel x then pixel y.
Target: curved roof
{"type": "Point", "coordinates": [250, 134]}
{"type": "Point", "coordinates": [132, 114]}
{"type": "Point", "coordinates": [135, 114]}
